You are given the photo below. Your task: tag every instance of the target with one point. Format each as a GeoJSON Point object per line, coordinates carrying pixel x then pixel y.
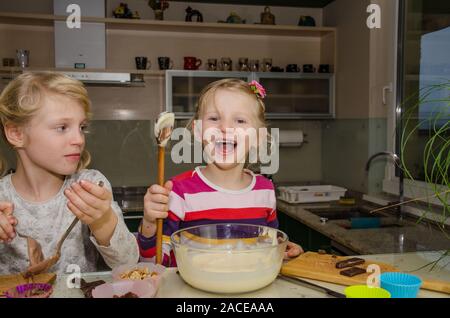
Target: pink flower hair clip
{"type": "Point", "coordinates": [258, 89]}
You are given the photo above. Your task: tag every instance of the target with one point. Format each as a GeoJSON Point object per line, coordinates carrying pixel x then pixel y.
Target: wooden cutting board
{"type": "Point", "coordinates": [322, 267]}
{"type": "Point", "coordinates": [10, 281]}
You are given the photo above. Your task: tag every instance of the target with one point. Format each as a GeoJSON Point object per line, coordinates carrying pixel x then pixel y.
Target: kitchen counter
{"type": "Point", "coordinates": [173, 285]}
{"type": "Point", "coordinates": [410, 237]}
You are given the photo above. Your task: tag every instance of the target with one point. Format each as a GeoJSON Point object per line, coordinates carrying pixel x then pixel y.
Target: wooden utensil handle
{"type": "Point", "coordinates": [159, 222]}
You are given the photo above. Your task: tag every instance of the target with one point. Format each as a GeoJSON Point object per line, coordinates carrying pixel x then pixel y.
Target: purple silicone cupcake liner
{"type": "Point", "coordinates": [20, 290]}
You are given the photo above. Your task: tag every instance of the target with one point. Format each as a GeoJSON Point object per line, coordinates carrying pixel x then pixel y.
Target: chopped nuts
{"type": "Point", "coordinates": [138, 273]}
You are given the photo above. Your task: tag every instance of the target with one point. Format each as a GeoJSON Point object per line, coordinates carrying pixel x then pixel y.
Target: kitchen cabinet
{"type": "Point", "coordinates": [132, 220]}
{"type": "Point", "coordinates": [289, 95]}
{"type": "Point", "coordinates": [183, 88]}
{"type": "Point", "coordinates": [301, 234]}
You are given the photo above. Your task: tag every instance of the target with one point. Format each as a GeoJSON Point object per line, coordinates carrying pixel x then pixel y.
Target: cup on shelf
{"type": "Point", "coordinates": [165, 63]}
{"type": "Point", "coordinates": [243, 64]}
{"type": "Point", "coordinates": [253, 65]}
{"type": "Point", "coordinates": [308, 68]}
{"type": "Point", "coordinates": [293, 68]}
{"type": "Point", "coordinates": [212, 65]}
{"type": "Point", "coordinates": [267, 65]}
{"type": "Point", "coordinates": [226, 64]}
{"type": "Point", "coordinates": [324, 68]}
{"type": "Point", "coordinates": [23, 57]}
{"type": "Point", "coordinates": [142, 63]}
{"type": "Point", "coordinates": [192, 63]}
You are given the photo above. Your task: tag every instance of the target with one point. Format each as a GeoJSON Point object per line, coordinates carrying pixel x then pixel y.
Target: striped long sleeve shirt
{"type": "Point", "coordinates": [194, 200]}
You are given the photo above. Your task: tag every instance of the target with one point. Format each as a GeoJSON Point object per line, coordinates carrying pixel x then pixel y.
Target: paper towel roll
{"type": "Point", "coordinates": [291, 137]}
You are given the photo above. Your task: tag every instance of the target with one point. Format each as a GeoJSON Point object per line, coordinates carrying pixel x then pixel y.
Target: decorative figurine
{"type": "Point", "coordinates": [306, 21]}
{"type": "Point", "coordinates": [267, 17]}
{"type": "Point", "coordinates": [234, 18]}
{"type": "Point", "coordinates": [122, 12]}
{"type": "Point", "coordinates": [158, 7]}
{"type": "Point", "coordinates": [190, 13]}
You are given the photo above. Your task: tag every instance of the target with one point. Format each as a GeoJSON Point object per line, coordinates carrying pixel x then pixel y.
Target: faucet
{"type": "Point", "coordinates": [401, 175]}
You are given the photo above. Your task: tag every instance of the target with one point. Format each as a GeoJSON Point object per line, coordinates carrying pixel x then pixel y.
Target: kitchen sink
{"type": "Point", "coordinates": [344, 213]}
{"type": "Point", "coordinates": [358, 217]}
{"type": "Point", "coordinates": [348, 226]}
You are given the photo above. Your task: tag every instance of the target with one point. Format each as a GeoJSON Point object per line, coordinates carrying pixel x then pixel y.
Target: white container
{"type": "Point", "coordinates": [306, 194]}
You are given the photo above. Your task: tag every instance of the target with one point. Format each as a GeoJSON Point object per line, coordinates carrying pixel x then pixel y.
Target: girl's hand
{"type": "Point", "coordinates": [89, 202]}
{"type": "Point", "coordinates": [156, 202]}
{"type": "Point", "coordinates": [7, 222]}
{"type": "Point", "coordinates": [292, 250]}
{"type": "Point", "coordinates": [156, 206]}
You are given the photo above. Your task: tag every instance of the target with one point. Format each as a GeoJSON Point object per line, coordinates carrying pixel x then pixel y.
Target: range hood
{"type": "Point", "coordinates": [102, 78]}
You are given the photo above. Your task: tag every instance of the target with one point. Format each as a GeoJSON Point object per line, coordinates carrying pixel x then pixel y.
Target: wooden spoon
{"type": "Point", "coordinates": [163, 130]}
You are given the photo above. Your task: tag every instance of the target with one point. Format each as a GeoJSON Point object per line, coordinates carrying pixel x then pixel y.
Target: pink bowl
{"type": "Point", "coordinates": [34, 290]}
{"type": "Point", "coordinates": [151, 267]}
{"type": "Point", "coordinates": [142, 288]}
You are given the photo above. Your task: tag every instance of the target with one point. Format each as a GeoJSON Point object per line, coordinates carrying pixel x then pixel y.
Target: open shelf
{"type": "Point", "coordinates": [172, 26]}
{"type": "Point", "coordinates": [17, 69]}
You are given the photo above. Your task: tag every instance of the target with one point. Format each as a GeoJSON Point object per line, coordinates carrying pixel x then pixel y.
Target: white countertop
{"type": "Point", "coordinates": [173, 286]}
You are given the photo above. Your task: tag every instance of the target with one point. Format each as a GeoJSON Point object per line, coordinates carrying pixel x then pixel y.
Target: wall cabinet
{"type": "Point", "coordinates": [289, 95]}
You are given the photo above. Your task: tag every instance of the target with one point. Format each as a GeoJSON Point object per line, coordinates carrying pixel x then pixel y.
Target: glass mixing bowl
{"type": "Point", "coordinates": [229, 258]}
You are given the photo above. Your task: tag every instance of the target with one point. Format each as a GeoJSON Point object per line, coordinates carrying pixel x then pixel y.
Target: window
{"type": "Point", "coordinates": [423, 98]}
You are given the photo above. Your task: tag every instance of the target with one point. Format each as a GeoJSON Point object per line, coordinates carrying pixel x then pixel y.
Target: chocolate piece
{"type": "Point", "coordinates": [352, 271]}
{"type": "Point", "coordinates": [87, 288]}
{"type": "Point", "coordinates": [350, 262]}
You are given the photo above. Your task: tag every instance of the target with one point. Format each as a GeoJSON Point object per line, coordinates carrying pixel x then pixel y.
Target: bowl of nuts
{"type": "Point", "coordinates": [140, 272]}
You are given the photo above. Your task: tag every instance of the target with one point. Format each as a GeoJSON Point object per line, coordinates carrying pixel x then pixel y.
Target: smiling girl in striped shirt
{"type": "Point", "coordinates": [223, 191]}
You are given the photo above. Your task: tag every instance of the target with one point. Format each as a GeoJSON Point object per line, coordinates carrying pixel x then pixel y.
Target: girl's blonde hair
{"type": "Point", "coordinates": [21, 98]}
{"type": "Point", "coordinates": [237, 85]}
{"type": "Point", "coordinates": [231, 84]}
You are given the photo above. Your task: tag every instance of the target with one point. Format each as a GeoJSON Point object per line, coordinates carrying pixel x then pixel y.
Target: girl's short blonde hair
{"type": "Point", "coordinates": [231, 84]}
{"type": "Point", "coordinates": [21, 98]}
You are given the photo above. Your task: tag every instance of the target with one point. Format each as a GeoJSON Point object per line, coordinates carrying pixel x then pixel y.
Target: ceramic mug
{"type": "Point", "coordinates": [165, 63]}
{"type": "Point", "coordinates": [212, 65]}
{"type": "Point", "coordinates": [253, 65]}
{"type": "Point", "coordinates": [141, 63]}
{"type": "Point", "coordinates": [324, 68]}
{"type": "Point", "coordinates": [192, 63]}
{"type": "Point", "coordinates": [243, 64]}
{"type": "Point", "coordinates": [308, 68]}
{"type": "Point", "coordinates": [226, 64]}
{"type": "Point", "coordinates": [292, 68]}
{"type": "Point", "coordinates": [266, 65]}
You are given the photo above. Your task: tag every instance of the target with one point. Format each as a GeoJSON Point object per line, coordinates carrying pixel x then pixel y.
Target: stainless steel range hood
{"type": "Point", "coordinates": [102, 78]}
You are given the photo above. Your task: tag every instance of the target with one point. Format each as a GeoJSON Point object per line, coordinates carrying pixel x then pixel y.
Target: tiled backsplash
{"type": "Point", "coordinates": [335, 153]}
{"type": "Point", "coordinates": [126, 153]}
{"type": "Point", "coordinates": [346, 146]}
